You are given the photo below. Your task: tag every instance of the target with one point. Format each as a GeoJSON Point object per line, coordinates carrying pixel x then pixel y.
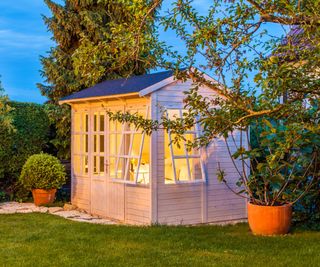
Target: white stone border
{"type": "Point", "coordinates": [74, 215]}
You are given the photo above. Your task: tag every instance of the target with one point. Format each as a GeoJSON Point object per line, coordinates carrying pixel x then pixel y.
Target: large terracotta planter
{"type": "Point", "coordinates": [43, 197]}
{"type": "Point", "coordinates": [269, 220]}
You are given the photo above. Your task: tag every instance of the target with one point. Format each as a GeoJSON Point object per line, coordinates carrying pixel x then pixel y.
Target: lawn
{"type": "Point", "coordinates": [48, 240]}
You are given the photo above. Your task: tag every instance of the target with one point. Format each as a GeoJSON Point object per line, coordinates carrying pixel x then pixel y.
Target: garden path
{"type": "Point", "coordinates": [67, 212]}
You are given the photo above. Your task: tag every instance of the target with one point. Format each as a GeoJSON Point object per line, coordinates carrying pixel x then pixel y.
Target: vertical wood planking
{"type": "Point", "coordinates": [154, 164]}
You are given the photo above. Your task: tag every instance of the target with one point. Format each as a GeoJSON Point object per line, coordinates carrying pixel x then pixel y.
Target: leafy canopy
{"type": "Point", "coordinates": [94, 43]}
{"type": "Point", "coordinates": [268, 82]}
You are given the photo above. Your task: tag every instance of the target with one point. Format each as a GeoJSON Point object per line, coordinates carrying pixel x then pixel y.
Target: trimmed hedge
{"type": "Point", "coordinates": [30, 136]}
{"type": "Point", "coordinates": [42, 171]}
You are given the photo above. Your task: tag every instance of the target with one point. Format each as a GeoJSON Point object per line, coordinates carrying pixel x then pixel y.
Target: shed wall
{"type": "Point", "coordinates": [123, 202]}
{"type": "Point", "coordinates": [194, 203]}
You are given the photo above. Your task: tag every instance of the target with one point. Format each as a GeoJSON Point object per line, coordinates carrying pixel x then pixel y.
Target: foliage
{"type": "Point", "coordinates": [94, 43]}
{"type": "Point", "coordinates": [28, 135]}
{"type": "Point", "coordinates": [60, 120]}
{"type": "Point", "coordinates": [6, 128]}
{"type": "Point", "coordinates": [118, 245]}
{"type": "Point", "coordinates": [3, 196]}
{"type": "Point", "coordinates": [42, 171]}
{"type": "Point", "coordinates": [260, 80]}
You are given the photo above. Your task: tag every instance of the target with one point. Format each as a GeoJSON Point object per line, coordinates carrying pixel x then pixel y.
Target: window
{"type": "Point", "coordinates": [182, 165]}
{"type": "Point", "coordinates": [98, 142]}
{"type": "Point", "coordinates": [81, 143]}
{"type": "Point", "coordinates": [129, 151]}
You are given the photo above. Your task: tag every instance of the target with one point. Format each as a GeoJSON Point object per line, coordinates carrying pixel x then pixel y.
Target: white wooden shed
{"type": "Point", "coordinates": [118, 172]}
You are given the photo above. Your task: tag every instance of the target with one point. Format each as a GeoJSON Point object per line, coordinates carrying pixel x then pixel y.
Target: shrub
{"type": "Point", "coordinates": [30, 136]}
{"type": "Point", "coordinates": [60, 120]}
{"type": "Point", "coordinates": [42, 171]}
{"type": "Point", "coordinates": [6, 128]}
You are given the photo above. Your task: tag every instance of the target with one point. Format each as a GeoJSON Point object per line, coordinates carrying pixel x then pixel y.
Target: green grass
{"type": "Point", "coordinates": [48, 240]}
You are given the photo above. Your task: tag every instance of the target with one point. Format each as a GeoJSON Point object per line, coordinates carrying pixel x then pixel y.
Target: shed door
{"type": "Point", "coordinates": [115, 189]}
{"type": "Point", "coordinates": [98, 163]}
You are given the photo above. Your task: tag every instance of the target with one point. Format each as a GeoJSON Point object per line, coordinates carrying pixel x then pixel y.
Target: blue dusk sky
{"type": "Point", "coordinates": [24, 37]}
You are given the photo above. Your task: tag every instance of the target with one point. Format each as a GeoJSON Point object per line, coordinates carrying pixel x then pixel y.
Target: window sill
{"type": "Point", "coordinates": [129, 182]}
{"type": "Point", "coordinates": [185, 182]}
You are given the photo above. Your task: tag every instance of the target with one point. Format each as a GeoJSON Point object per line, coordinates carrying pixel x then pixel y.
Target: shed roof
{"type": "Point", "coordinates": [122, 86]}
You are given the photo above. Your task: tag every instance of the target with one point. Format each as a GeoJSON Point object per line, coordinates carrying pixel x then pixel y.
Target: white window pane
{"type": "Point", "coordinates": [182, 172]}
{"type": "Point", "coordinates": [112, 126]}
{"type": "Point", "coordinates": [136, 145]}
{"type": "Point", "coordinates": [120, 172]}
{"type": "Point", "coordinates": [95, 122]}
{"type": "Point", "coordinates": [95, 165]}
{"type": "Point", "coordinates": [113, 144]}
{"type": "Point", "coordinates": [195, 168]}
{"type": "Point", "coordinates": [102, 164]}
{"type": "Point", "coordinates": [177, 150]}
{"type": "Point", "coordinates": [112, 167]}
{"type": "Point", "coordinates": [118, 126]}
{"type": "Point", "coordinates": [101, 143]}
{"type": "Point", "coordinates": [101, 122]}
{"type": "Point", "coordinates": [169, 170]}
{"type": "Point", "coordinates": [95, 143]}
{"type": "Point", "coordinates": [132, 165]}
{"type": "Point", "coordinates": [85, 165]}
{"type": "Point", "coordinates": [86, 143]}
{"type": "Point", "coordinates": [85, 123]}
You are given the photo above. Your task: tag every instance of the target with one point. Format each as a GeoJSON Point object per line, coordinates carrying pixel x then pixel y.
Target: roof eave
{"type": "Point", "coordinates": [96, 98]}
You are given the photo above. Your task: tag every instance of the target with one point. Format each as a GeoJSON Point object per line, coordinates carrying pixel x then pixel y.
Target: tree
{"type": "Point", "coordinates": [94, 43]}
{"type": "Point", "coordinates": [268, 82]}
{"type": "Point", "coordinates": [94, 40]}
{"type": "Point", "coordinates": [6, 128]}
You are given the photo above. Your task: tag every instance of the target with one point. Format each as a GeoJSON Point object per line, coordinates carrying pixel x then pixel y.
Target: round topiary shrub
{"type": "Point", "coordinates": [42, 171]}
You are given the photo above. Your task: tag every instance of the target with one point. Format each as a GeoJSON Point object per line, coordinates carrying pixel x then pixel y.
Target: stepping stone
{"type": "Point", "coordinates": [69, 207]}
{"type": "Point", "coordinates": [54, 209]}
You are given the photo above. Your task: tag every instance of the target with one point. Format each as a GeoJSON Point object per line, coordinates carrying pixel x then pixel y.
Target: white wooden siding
{"type": "Point", "coordinates": [191, 203]}
{"type": "Point", "coordinates": [123, 202]}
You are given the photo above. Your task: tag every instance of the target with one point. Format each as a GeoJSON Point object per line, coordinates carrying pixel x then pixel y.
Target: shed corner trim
{"type": "Point", "coordinates": [156, 86]}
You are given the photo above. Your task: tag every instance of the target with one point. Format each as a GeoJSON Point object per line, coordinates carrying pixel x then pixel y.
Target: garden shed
{"type": "Point", "coordinates": [121, 173]}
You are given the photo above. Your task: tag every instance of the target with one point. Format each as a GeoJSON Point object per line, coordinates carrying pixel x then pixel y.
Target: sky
{"type": "Point", "coordinates": [24, 37]}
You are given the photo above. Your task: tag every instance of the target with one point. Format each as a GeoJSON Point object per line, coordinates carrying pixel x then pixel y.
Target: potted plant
{"type": "Point", "coordinates": [279, 160]}
{"type": "Point", "coordinates": [43, 174]}
{"type": "Point", "coordinates": [278, 168]}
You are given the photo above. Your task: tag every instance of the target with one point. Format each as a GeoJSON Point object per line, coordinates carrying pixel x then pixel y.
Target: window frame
{"type": "Point", "coordinates": [98, 154]}
{"type": "Point", "coordinates": [196, 132]}
{"type": "Point", "coordinates": [79, 150]}
{"type": "Point", "coordinates": [121, 155]}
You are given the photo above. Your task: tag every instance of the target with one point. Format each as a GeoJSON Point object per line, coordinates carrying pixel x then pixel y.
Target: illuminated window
{"type": "Point", "coordinates": [129, 152]}
{"type": "Point", "coordinates": [81, 143]}
{"type": "Point", "coordinates": [182, 165]}
{"type": "Point", "coordinates": [98, 152]}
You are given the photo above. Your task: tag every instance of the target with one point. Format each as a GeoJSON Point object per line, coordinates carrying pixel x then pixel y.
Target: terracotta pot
{"type": "Point", "coordinates": [43, 197]}
{"type": "Point", "coordinates": [269, 220]}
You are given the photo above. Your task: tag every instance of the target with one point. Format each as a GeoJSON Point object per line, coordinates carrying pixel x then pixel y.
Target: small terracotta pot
{"type": "Point", "coordinates": [269, 220]}
{"type": "Point", "coordinates": [43, 197]}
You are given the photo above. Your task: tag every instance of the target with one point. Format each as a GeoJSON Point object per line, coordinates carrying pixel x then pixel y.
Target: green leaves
{"type": "Point", "coordinates": [96, 41]}
{"type": "Point", "coordinates": [42, 171]}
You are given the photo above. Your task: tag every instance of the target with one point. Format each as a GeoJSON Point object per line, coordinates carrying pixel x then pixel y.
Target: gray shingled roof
{"type": "Point", "coordinates": [121, 86]}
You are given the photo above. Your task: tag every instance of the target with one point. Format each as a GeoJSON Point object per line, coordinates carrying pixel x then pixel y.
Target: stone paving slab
{"type": "Point", "coordinates": [74, 215]}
